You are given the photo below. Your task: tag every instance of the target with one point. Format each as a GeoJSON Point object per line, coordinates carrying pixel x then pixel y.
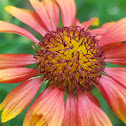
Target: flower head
{"type": "Point", "coordinates": [73, 58]}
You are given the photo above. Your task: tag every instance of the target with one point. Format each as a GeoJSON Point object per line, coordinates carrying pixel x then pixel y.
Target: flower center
{"type": "Point", "coordinates": [71, 59]}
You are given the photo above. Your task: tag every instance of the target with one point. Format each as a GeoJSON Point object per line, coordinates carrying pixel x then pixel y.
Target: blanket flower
{"type": "Point", "coordinates": [73, 58]}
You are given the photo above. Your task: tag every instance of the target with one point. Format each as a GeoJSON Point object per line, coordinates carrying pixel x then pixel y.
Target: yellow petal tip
{"type": "Point", "coordinates": [7, 8]}
{"type": "Point", "coordinates": [6, 116]}
{"type": "Point", "coordinates": [3, 119]}
{"type": "Point", "coordinates": [95, 22]}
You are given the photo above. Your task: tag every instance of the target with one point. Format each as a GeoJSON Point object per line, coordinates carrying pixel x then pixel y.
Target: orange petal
{"type": "Point", "coordinates": [24, 15]}
{"type": "Point", "coordinates": [106, 48]}
{"type": "Point", "coordinates": [97, 31]}
{"type": "Point", "coordinates": [70, 118]}
{"type": "Point", "coordinates": [10, 28]}
{"type": "Point", "coordinates": [16, 75]}
{"type": "Point", "coordinates": [68, 11]}
{"type": "Point", "coordinates": [77, 22]}
{"type": "Point", "coordinates": [28, 117]}
{"type": "Point", "coordinates": [48, 11]}
{"type": "Point", "coordinates": [53, 12]}
{"type": "Point", "coordinates": [115, 95]}
{"type": "Point", "coordinates": [50, 110]}
{"type": "Point", "coordinates": [107, 25]}
{"type": "Point", "coordinates": [102, 29]}
{"type": "Point", "coordinates": [98, 37]}
{"type": "Point", "coordinates": [117, 73]}
{"type": "Point", "coordinates": [89, 114]}
{"type": "Point", "coordinates": [16, 60]}
{"type": "Point", "coordinates": [93, 21]}
{"type": "Point", "coordinates": [19, 98]}
{"type": "Point", "coordinates": [116, 33]}
{"type": "Point", "coordinates": [92, 98]}
{"type": "Point", "coordinates": [117, 55]}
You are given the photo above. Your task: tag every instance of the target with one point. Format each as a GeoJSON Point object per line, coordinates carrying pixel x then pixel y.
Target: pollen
{"type": "Point", "coordinates": [71, 59]}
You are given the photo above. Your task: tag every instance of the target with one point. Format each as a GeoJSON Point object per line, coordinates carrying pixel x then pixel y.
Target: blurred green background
{"type": "Point", "coordinates": [105, 10]}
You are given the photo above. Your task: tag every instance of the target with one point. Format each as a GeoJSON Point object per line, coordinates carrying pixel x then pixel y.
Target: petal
{"type": "Point", "coordinates": [89, 114]}
{"type": "Point", "coordinates": [28, 117]}
{"type": "Point", "coordinates": [107, 25]}
{"type": "Point", "coordinates": [68, 11]}
{"type": "Point", "coordinates": [24, 16]}
{"type": "Point", "coordinates": [102, 29]}
{"type": "Point", "coordinates": [52, 9]}
{"type": "Point", "coordinates": [70, 118]}
{"type": "Point", "coordinates": [10, 28]}
{"type": "Point", "coordinates": [93, 21]}
{"type": "Point", "coordinates": [77, 23]}
{"type": "Point", "coordinates": [92, 98]}
{"type": "Point", "coordinates": [97, 31]}
{"type": "Point", "coordinates": [98, 37]}
{"type": "Point", "coordinates": [117, 73]}
{"type": "Point", "coordinates": [50, 111]}
{"type": "Point", "coordinates": [16, 60]}
{"type": "Point", "coordinates": [48, 11]}
{"type": "Point", "coordinates": [106, 48]}
{"type": "Point", "coordinates": [19, 98]}
{"type": "Point", "coordinates": [115, 95]}
{"type": "Point", "coordinates": [16, 75]}
{"type": "Point", "coordinates": [117, 55]}
{"type": "Point", "coordinates": [116, 33]}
